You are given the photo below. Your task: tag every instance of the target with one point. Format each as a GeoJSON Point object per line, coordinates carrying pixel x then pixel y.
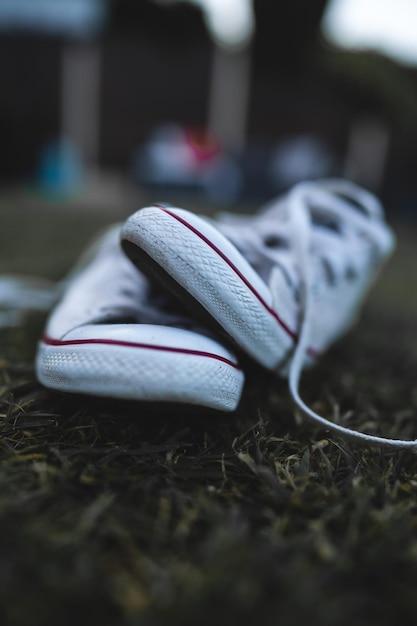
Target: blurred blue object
{"type": "Point", "coordinates": [187, 160]}
{"type": "Point", "coordinates": [77, 18]}
{"type": "Point", "coordinates": [60, 170]}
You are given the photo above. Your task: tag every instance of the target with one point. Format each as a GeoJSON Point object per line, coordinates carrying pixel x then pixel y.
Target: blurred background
{"type": "Point", "coordinates": [109, 102]}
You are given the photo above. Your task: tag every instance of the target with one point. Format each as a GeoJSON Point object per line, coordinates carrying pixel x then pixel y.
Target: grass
{"type": "Point", "coordinates": [124, 514]}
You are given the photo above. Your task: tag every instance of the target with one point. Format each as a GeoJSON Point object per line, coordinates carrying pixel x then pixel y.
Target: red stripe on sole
{"type": "Point", "coordinates": [311, 351]}
{"type": "Point", "coordinates": [49, 341]}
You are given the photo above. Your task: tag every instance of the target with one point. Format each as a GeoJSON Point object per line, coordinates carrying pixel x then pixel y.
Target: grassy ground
{"type": "Point", "coordinates": [128, 514]}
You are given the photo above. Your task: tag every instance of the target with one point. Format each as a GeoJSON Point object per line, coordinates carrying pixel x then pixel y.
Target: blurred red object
{"type": "Point", "coordinates": [187, 159]}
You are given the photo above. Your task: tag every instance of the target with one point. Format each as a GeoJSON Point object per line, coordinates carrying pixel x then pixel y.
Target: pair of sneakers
{"type": "Point", "coordinates": [166, 306]}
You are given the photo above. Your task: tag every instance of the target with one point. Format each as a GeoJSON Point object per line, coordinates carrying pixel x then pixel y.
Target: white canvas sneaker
{"type": "Point", "coordinates": [113, 335]}
{"type": "Point", "coordinates": [285, 283]}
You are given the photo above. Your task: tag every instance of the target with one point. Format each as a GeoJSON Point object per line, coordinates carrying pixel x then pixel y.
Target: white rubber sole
{"type": "Point", "coordinates": [212, 271]}
{"type": "Point", "coordinates": [108, 361]}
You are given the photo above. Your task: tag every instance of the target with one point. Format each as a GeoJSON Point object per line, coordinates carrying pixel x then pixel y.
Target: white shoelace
{"type": "Point", "coordinates": [20, 295]}
{"type": "Point", "coordinates": [302, 229]}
